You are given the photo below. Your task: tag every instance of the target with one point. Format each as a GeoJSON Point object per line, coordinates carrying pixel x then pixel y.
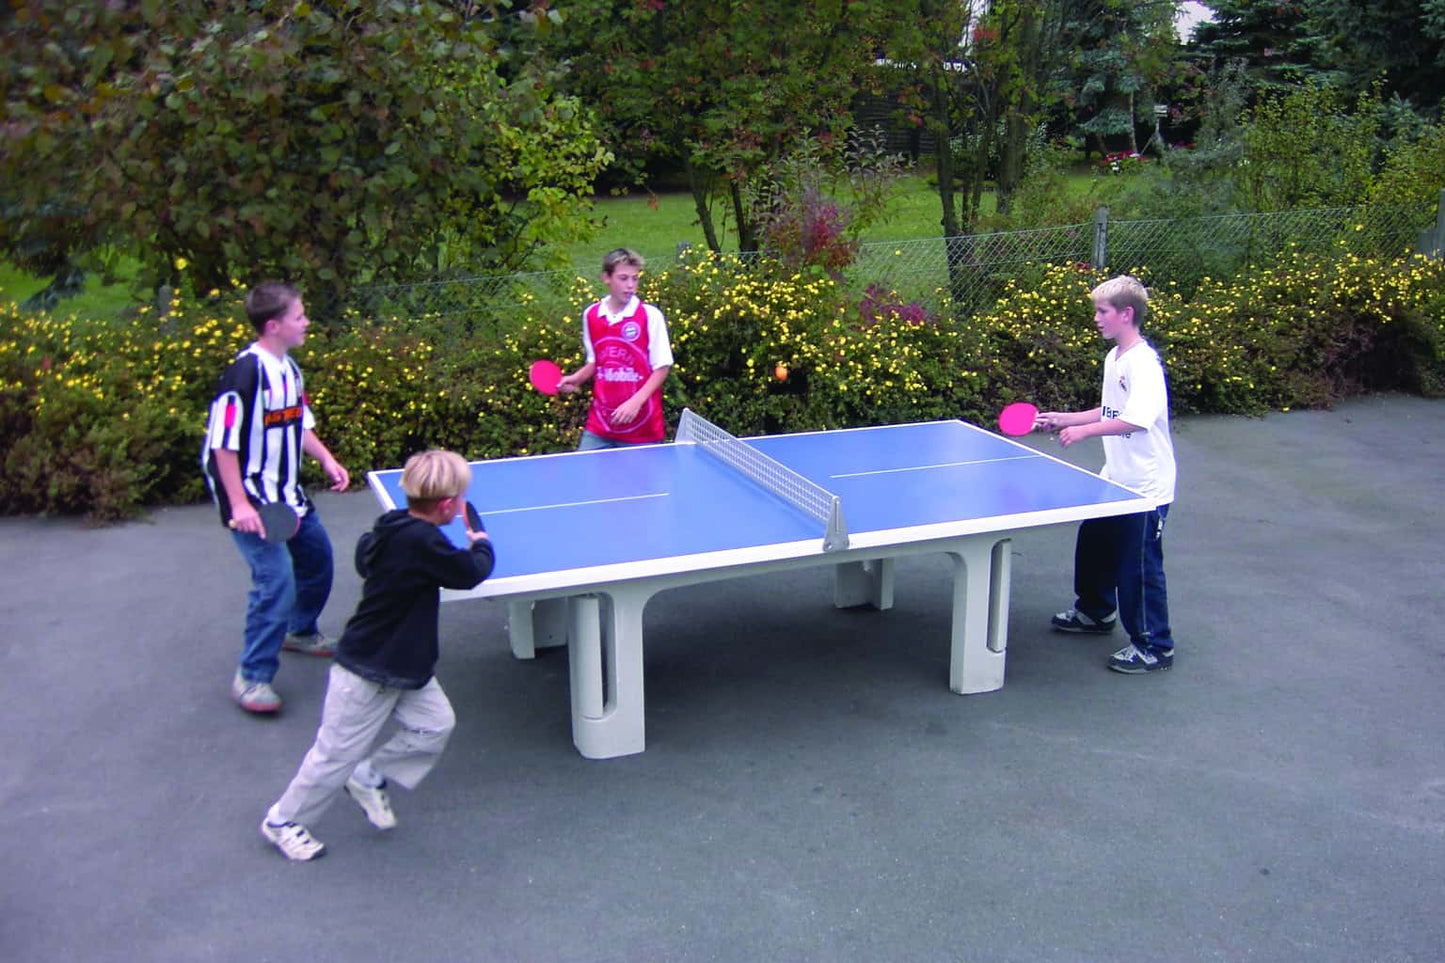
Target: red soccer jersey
{"type": "Point", "coordinates": [623, 364]}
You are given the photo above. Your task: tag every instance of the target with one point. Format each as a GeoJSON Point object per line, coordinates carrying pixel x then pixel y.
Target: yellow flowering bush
{"type": "Point", "coordinates": [100, 416]}
{"type": "Point", "coordinates": [1307, 331]}
{"type": "Point", "coordinates": [106, 417]}
{"type": "Point", "coordinates": [761, 350]}
{"type": "Point", "coordinates": [1038, 342]}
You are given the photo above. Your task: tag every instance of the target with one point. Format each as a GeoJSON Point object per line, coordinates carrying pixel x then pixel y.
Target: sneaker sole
{"type": "Point", "coordinates": [1140, 670]}
{"type": "Point", "coordinates": [367, 813]}
{"type": "Point", "coordinates": [286, 856]}
{"type": "Point", "coordinates": [255, 710]}
{"type": "Point", "coordinates": [302, 650]}
{"type": "Point", "coordinates": [1082, 629]}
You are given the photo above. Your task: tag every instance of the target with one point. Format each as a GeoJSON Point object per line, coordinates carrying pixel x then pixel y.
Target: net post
{"type": "Point", "coordinates": [835, 539]}
{"type": "Point", "coordinates": [687, 427]}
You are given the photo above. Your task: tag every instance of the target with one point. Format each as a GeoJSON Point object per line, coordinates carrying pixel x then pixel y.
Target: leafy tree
{"type": "Point", "coordinates": [1029, 35]}
{"type": "Point", "coordinates": [967, 75]}
{"type": "Point", "coordinates": [1276, 41]}
{"type": "Point", "coordinates": [1343, 43]}
{"type": "Point", "coordinates": [1402, 41]}
{"type": "Point", "coordinates": [1203, 180]}
{"type": "Point", "coordinates": [1412, 171]}
{"type": "Point", "coordinates": [327, 142]}
{"type": "Point", "coordinates": [821, 203]}
{"type": "Point", "coordinates": [1305, 148]}
{"type": "Point", "coordinates": [981, 78]}
{"type": "Point", "coordinates": [727, 88]}
{"type": "Point", "coordinates": [1118, 51]}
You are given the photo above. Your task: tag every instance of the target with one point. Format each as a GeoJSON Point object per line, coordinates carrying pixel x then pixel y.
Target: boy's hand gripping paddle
{"type": "Point", "coordinates": [1018, 418]}
{"type": "Point", "coordinates": [279, 521]}
{"type": "Point", "coordinates": [545, 375]}
{"type": "Point", "coordinates": [474, 521]}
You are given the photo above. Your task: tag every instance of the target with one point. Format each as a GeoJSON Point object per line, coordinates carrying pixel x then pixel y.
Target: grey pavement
{"type": "Point", "coordinates": [811, 790]}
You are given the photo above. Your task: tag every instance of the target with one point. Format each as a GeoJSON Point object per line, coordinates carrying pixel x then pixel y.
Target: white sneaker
{"type": "Point", "coordinates": [256, 697]}
{"type": "Point", "coordinates": [318, 645]}
{"type": "Point", "coordinates": [294, 841]}
{"type": "Point", "coordinates": [373, 801]}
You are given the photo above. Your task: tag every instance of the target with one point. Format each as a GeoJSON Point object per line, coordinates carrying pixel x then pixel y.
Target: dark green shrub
{"type": "Point", "coordinates": [107, 418]}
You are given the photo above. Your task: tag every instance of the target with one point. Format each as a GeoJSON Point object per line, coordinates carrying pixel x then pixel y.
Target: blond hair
{"type": "Point", "coordinates": [429, 476]}
{"type": "Point", "coordinates": [621, 255]}
{"type": "Point", "coordinates": [1124, 292]}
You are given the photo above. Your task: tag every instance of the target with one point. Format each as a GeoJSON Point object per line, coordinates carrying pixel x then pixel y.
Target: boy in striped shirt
{"type": "Point", "coordinates": [260, 425]}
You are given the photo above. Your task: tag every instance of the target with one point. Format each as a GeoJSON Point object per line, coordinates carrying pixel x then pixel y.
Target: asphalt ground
{"type": "Point", "coordinates": [811, 790]}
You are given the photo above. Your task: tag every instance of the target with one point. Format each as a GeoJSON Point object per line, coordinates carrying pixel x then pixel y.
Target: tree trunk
{"type": "Point", "coordinates": [1012, 156]}
{"type": "Point", "coordinates": [1133, 139]}
{"type": "Point", "coordinates": [943, 157]}
{"type": "Point", "coordinates": [1020, 112]}
{"type": "Point", "coordinates": [698, 183]}
{"type": "Point", "coordinates": [747, 228]}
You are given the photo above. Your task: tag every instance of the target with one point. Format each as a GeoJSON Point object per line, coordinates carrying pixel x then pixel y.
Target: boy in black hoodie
{"type": "Point", "coordinates": [385, 658]}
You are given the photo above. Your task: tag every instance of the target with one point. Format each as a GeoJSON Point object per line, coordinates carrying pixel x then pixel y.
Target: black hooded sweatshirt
{"type": "Point", "coordinates": [392, 637]}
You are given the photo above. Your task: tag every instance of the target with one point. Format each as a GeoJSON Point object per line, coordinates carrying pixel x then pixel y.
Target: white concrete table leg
{"type": "Point", "coordinates": [869, 582]}
{"type": "Point", "coordinates": [536, 625]}
{"type": "Point", "coordinates": [605, 648]}
{"type": "Point", "coordinates": [998, 594]}
{"type": "Point", "coordinates": [980, 606]}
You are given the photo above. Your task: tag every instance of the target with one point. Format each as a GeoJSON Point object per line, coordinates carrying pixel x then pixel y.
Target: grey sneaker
{"type": "Point", "coordinates": [253, 696]}
{"type": "Point", "coordinates": [294, 840]}
{"type": "Point", "coordinates": [1075, 621]}
{"type": "Point", "coordinates": [315, 644]}
{"type": "Point", "coordinates": [373, 801]}
{"type": "Point", "coordinates": [1133, 660]}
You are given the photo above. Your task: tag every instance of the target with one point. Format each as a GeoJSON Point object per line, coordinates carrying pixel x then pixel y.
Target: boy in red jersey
{"type": "Point", "coordinates": [629, 354]}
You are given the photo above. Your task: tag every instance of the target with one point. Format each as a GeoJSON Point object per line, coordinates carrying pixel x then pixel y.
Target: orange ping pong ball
{"type": "Point", "coordinates": [781, 372]}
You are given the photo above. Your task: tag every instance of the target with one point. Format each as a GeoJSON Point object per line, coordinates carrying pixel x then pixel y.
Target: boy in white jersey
{"type": "Point", "coordinates": [1119, 562]}
{"type": "Point", "coordinates": [628, 353]}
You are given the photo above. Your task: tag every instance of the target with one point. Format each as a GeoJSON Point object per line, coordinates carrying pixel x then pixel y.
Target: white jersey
{"type": "Point", "coordinates": [1134, 390]}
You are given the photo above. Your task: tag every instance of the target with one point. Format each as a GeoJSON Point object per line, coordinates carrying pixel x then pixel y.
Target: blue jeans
{"type": "Point", "coordinates": [1119, 566]}
{"type": "Point", "coordinates": [591, 442]}
{"type": "Point", "coordinates": [290, 584]}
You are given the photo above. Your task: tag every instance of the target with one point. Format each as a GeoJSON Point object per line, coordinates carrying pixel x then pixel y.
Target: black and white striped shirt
{"type": "Point", "coordinates": [260, 412]}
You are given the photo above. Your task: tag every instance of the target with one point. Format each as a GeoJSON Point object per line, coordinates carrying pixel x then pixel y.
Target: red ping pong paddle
{"type": "Point", "coordinates": [1018, 418]}
{"type": "Point", "coordinates": [279, 521]}
{"type": "Point", "coordinates": [545, 375]}
{"type": "Point", "coordinates": [474, 521]}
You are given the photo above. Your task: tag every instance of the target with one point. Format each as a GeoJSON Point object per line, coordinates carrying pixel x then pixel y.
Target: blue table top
{"type": "Point", "coordinates": [657, 506]}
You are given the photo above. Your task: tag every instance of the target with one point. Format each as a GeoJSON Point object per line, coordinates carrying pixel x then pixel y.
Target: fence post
{"type": "Point", "coordinates": [1432, 240]}
{"type": "Point", "coordinates": [1101, 239]}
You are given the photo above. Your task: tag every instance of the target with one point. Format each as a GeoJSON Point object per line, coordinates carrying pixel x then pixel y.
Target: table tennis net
{"type": "Point", "coordinates": [775, 478]}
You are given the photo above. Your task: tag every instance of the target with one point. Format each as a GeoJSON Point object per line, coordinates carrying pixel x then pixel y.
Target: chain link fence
{"type": "Point", "coordinates": [469, 307]}
{"type": "Point", "coordinates": [1187, 251]}
{"type": "Point", "coordinates": [961, 276]}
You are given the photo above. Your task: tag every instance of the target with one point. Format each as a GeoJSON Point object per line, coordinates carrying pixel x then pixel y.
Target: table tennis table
{"type": "Point", "coordinates": [585, 539]}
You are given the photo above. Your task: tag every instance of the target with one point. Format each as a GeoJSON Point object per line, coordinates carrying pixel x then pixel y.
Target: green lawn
{"type": "Point", "coordinates": [16, 285]}
{"type": "Point", "coordinates": [653, 224]}
{"type": "Point", "coordinates": [98, 300]}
